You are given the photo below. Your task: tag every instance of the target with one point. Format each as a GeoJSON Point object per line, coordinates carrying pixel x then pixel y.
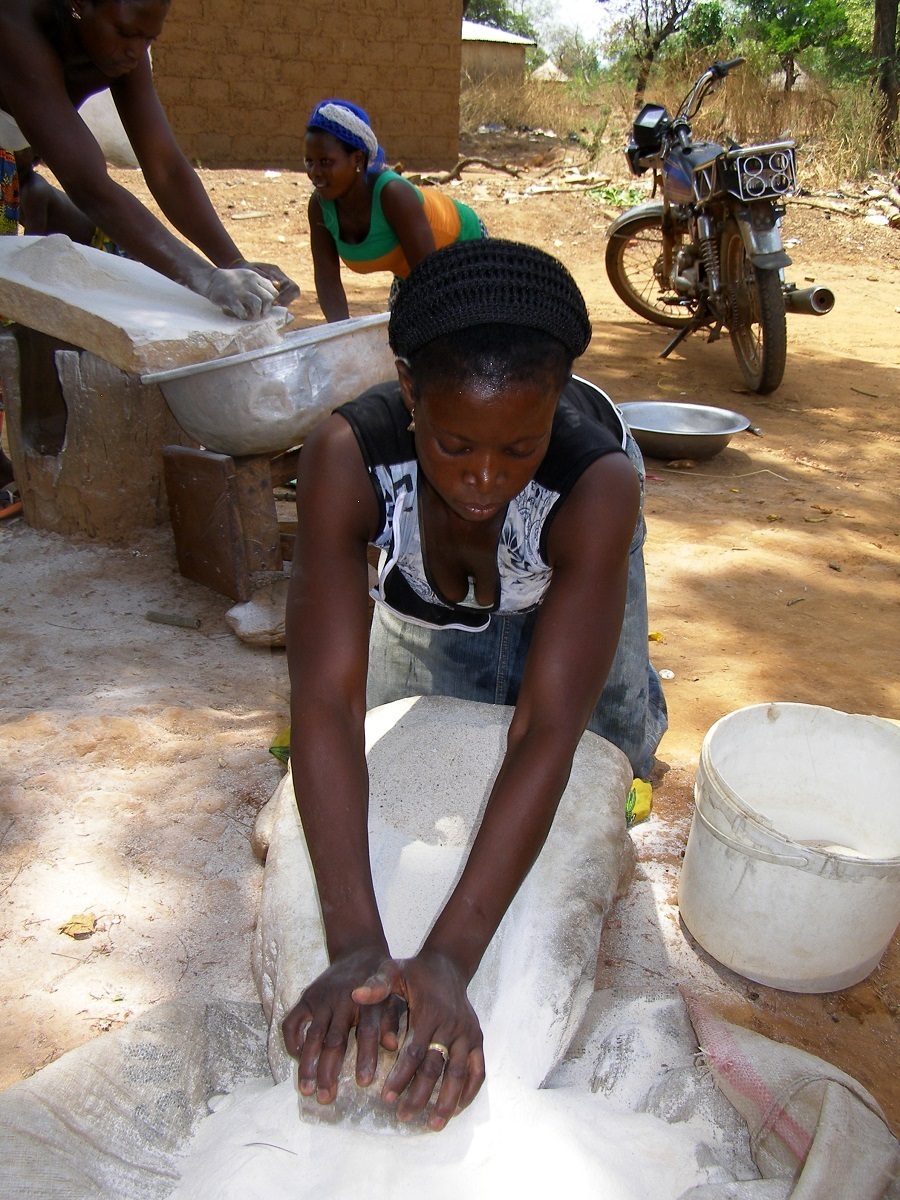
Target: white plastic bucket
{"type": "Point", "coordinates": [791, 876]}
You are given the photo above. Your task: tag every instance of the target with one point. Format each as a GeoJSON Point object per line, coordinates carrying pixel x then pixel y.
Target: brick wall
{"type": "Point", "coordinates": [238, 78]}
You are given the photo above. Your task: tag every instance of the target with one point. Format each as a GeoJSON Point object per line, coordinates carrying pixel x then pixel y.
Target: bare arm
{"type": "Point", "coordinates": [171, 179]}
{"type": "Point", "coordinates": [326, 266]}
{"type": "Point", "coordinates": [405, 214]}
{"type": "Point", "coordinates": [34, 92]}
{"type": "Point", "coordinates": [175, 184]}
{"type": "Point", "coordinates": [327, 642]}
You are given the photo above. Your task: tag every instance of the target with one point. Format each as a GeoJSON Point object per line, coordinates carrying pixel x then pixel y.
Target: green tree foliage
{"type": "Point", "coordinates": [705, 25]}
{"type": "Point", "coordinates": [512, 17]}
{"type": "Point", "coordinates": [709, 31]}
{"type": "Point", "coordinates": [789, 27]}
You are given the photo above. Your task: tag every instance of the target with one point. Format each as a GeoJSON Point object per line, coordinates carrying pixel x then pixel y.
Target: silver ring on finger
{"type": "Point", "coordinates": [441, 1049]}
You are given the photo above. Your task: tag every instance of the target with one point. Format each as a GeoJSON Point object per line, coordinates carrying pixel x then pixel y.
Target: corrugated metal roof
{"type": "Point", "coordinates": [471, 32]}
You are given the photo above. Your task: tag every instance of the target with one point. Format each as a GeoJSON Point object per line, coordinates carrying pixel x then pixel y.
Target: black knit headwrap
{"type": "Point", "coordinates": [488, 282]}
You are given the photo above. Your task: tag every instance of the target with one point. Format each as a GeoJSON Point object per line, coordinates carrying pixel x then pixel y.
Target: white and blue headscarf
{"type": "Point", "coordinates": [349, 123]}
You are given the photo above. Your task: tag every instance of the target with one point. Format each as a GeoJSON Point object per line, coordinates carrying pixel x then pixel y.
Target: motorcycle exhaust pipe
{"type": "Point", "coordinates": [812, 301]}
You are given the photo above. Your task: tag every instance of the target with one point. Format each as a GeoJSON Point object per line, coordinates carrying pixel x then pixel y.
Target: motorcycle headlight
{"type": "Point", "coordinates": [762, 172]}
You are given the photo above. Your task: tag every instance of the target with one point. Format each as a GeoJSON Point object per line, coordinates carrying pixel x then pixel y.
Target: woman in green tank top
{"type": "Point", "coordinates": [363, 214]}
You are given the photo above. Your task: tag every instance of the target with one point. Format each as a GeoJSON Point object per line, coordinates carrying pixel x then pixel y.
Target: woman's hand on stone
{"type": "Point", "coordinates": [441, 1022]}
{"type": "Point", "coordinates": [317, 1029]}
{"type": "Point", "coordinates": [287, 290]}
{"type": "Point", "coordinates": [240, 292]}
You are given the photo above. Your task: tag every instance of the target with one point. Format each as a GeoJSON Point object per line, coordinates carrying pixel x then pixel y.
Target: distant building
{"type": "Point", "coordinates": [549, 72]}
{"type": "Point", "coordinates": [799, 83]}
{"type": "Point", "coordinates": [487, 51]}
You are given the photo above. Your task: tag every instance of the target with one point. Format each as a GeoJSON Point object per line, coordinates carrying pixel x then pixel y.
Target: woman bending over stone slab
{"type": "Point", "coordinates": [53, 55]}
{"type": "Point", "coordinates": [365, 216]}
{"type": "Point", "coordinates": [505, 496]}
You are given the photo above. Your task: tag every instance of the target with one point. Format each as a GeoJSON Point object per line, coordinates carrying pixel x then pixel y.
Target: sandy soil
{"type": "Point", "coordinates": [135, 754]}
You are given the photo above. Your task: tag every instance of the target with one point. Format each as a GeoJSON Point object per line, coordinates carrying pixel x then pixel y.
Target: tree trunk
{"type": "Point", "coordinates": [789, 67]}
{"type": "Point", "coordinates": [644, 64]}
{"type": "Point", "coordinates": [884, 78]}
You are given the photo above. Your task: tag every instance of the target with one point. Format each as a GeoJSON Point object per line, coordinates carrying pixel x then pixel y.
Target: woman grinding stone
{"type": "Point", "coordinates": [505, 496]}
{"type": "Point", "coordinates": [53, 55]}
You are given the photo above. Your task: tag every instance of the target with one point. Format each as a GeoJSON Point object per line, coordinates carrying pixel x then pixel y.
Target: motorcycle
{"type": "Point", "coordinates": [708, 254]}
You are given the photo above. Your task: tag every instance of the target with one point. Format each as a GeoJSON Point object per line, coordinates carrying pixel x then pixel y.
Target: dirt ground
{"type": "Point", "coordinates": [135, 754]}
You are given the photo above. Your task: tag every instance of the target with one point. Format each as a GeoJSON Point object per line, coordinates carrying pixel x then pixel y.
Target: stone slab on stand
{"type": "Point", "coordinates": [120, 310]}
{"type": "Point", "coordinates": [86, 434]}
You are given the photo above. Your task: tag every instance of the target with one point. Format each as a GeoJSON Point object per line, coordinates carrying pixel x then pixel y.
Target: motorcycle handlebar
{"type": "Point", "coordinates": [690, 105]}
{"type": "Point", "coordinates": [683, 133]}
{"type": "Point", "coordinates": [722, 68]}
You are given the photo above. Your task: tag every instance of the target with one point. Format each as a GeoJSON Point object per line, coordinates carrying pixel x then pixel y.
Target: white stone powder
{"type": "Point", "coordinates": [514, 1140]}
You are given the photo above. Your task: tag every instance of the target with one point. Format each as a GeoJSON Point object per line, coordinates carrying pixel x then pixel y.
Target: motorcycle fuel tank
{"type": "Point", "coordinates": [679, 166]}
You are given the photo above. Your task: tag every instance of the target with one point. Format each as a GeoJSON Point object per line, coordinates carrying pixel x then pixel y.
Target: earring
{"type": "Point", "coordinates": [411, 427]}
{"type": "Point", "coordinates": [359, 170]}
{"type": "Point", "coordinates": [76, 16]}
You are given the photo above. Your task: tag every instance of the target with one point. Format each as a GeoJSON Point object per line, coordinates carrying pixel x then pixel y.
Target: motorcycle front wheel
{"type": "Point", "coordinates": [634, 264]}
{"type": "Point", "coordinates": [756, 323]}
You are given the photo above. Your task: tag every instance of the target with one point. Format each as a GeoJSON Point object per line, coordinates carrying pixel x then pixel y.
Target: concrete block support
{"type": "Point", "coordinates": [85, 439]}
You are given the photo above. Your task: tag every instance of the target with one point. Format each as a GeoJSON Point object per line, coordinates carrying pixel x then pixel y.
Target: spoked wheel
{"type": "Point", "coordinates": [756, 320]}
{"type": "Point", "coordinates": [634, 264]}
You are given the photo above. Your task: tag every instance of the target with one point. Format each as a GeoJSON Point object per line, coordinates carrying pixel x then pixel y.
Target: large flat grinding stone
{"type": "Point", "coordinates": [122, 311]}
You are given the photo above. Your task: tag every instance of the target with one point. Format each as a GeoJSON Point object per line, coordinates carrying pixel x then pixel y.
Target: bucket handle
{"type": "Point", "coordinates": [793, 860]}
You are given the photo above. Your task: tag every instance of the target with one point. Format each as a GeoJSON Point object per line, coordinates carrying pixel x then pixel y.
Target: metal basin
{"type": "Point", "coordinates": [265, 401]}
{"type": "Point", "coordinates": [665, 430]}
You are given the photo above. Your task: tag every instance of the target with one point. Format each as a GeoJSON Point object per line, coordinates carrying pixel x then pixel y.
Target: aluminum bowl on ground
{"type": "Point", "coordinates": [265, 401]}
{"type": "Point", "coordinates": [668, 430]}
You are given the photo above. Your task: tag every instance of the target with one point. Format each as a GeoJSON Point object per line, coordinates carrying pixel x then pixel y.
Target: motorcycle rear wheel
{"type": "Point", "coordinates": [757, 323]}
{"type": "Point", "coordinates": [634, 255]}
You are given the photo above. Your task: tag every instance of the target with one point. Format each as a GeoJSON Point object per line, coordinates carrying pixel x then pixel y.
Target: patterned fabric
{"type": "Point", "coordinates": [9, 213]}
{"type": "Point", "coordinates": [9, 194]}
{"type": "Point", "coordinates": [350, 124]}
{"type": "Point", "coordinates": [100, 241]}
{"type": "Point", "coordinates": [586, 427]}
{"type": "Point", "coordinates": [407, 659]}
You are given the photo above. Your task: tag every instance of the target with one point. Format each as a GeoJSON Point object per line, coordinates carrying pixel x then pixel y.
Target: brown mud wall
{"type": "Point", "coordinates": [238, 79]}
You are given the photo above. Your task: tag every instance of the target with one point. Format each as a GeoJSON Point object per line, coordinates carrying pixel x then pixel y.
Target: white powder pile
{"type": "Point", "coordinates": [514, 1140]}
